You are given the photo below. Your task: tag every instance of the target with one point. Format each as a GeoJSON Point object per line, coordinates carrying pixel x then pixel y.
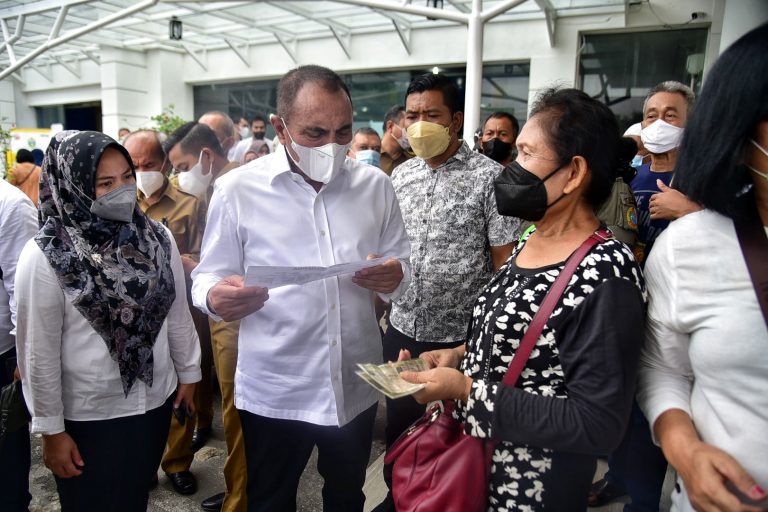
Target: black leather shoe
{"type": "Point", "coordinates": [199, 437]}
{"type": "Point", "coordinates": [214, 503]}
{"type": "Point", "coordinates": [603, 492]}
{"type": "Point", "coordinates": [183, 482]}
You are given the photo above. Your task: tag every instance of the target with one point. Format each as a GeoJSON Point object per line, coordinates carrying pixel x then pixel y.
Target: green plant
{"type": "Point", "coordinates": [168, 121]}
{"type": "Point", "coordinates": [5, 141]}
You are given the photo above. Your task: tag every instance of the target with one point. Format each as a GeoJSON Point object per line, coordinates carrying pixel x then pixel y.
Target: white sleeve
{"type": "Point", "coordinates": [394, 243]}
{"type": "Point", "coordinates": [221, 254]}
{"type": "Point", "coordinates": [41, 306]}
{"type": "Point", "coordinates": [183, 343]}
{"type": "Point", "coordinates": [18, 225]}
{"type": "Point", "coordinates": [665, 376]}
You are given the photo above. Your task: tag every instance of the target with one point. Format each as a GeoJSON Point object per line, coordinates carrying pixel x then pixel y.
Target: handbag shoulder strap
{"type": "Point", "coordinates": [754, 247]}
{"type": "Point", "coordinates": [548, 305]}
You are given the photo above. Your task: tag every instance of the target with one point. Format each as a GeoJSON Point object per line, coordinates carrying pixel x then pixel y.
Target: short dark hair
{"type": "Point", "coordinates": [394, 114]}
{"type": "Point", "coordinates": [504, 115]}
{"type": "Point", "coordinates": [292, 82]}
{"type": "Point", "coordinates": [193, 137]}
{"type": "Point", "coordinates": [24, 156]}
{"type": "Point", "coordinates": [159, 150]}
{"type": "Point", "coordinates": [432, 82]}
{"type": "Point", "coordinates": [367, 130]}
{"type": "Point", "coordinates": [577, 125]}
{"type": "Point", "coordinates": [733, 101]}
{"type": "Point", "coordinates": [673, 87]}
{"type": "Point", "coordinates": [258, 116]}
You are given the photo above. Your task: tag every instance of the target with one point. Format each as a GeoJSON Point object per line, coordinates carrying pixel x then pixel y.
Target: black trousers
{"type": "Point", "coordinates": [276, 452]}
{"type": "Point", "coordinates": [402, 412]}
{"type": "Point", "coordinates": [14, 454]}
{"type": "Point", "coordinates": [121, 455]}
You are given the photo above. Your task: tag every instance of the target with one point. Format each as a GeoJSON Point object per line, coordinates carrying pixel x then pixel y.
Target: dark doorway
{"type": "Point", "coordinates": [83, 116]}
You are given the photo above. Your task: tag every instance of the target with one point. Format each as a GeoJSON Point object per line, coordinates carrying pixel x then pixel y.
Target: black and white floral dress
{"type": "Point", "coordinates": [572, 401]}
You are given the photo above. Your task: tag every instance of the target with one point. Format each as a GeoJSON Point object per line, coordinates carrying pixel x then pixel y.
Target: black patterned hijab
{"type": "Point", "coordinates": [117, 275]}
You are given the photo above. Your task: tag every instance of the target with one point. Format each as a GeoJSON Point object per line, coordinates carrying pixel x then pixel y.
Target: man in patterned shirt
{"type": "Point", "coordinates": [457, 236]}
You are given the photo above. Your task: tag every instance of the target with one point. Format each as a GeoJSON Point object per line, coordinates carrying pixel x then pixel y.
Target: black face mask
{"type": "Point", "coordinates": [259, 135]}
{"type": "Point", "coordinates": [522, 194]}
{"type": "Point", "coordinates": [496, 149]}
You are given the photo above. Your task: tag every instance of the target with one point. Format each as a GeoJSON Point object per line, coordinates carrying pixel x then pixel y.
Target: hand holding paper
{"type": "Point", "coordinates": [275, 277]}
{"type": "Point", "coordinates": [232, 299]}
{"type": "Point", "coordinates": [383, 278]}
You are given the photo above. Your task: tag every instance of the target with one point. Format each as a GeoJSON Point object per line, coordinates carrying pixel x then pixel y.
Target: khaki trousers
{"type": "Point", "coordinates": [224, 341]}
{"type": "Point", "coordinates": [178, 454]}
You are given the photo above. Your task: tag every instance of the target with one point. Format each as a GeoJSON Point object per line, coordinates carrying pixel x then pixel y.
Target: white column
{"type": "Point", "coordinates": [124, 90]}
{"type": "Point", "coordinates": [740, 17]}
{"type": "Point", "coordinates": [474, 78]}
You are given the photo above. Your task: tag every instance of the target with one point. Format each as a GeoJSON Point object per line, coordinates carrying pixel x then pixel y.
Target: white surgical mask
{"type": "Point", "coordinates": [117, 204]}
{"type": "Point", "coordinates": [194, 181]}
{"type": "Point", "coordinates": [402, 140]}
{"type": "Point", "coordinates": [369, 156]}
{"type": "Point", "coordinates": [245, 132]}
{"type": "Point", "coordinates": [149, 182]}
{"type": "Point", "coordinates": [765, 152]}
{"type": "Point", "coordinates": [319, 164]}
{"type": "Point", "coordinates": [660, 137]}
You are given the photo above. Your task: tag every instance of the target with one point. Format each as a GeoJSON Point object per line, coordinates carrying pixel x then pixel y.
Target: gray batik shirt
{"type": "Point", "coordinates": [451, 219]}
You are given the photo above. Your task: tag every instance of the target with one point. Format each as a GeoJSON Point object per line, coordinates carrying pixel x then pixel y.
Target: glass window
{"type": "Point", "coordinates": [505, 87]}
{"type": "Point", "coordinates": [619, 69]}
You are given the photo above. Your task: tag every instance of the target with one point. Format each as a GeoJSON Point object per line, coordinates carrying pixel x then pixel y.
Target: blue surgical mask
{"type": "Point", "coordinates": [369, 156]}
{"type": "Point", "coordinates": [637, 161]}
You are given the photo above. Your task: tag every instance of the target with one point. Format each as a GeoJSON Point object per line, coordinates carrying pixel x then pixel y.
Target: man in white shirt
{"type": "Point", "coordinates": [258, 132]}
{"type": "Point", "coordinates": [299, 346]}
{"type": "Point", "coordinates": [18, 223]}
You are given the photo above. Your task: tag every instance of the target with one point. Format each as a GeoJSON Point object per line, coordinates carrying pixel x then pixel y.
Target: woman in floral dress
{"type": "Point", "coordinates": [572, 400]}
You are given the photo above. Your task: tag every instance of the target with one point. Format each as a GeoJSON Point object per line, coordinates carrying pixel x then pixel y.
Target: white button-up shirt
{"type": "Point", "coordinates": [18, 223]}
{"type": "Point", "coordinates": [297, 356]}
{"type": "Point", "coordinates": [67, 371]}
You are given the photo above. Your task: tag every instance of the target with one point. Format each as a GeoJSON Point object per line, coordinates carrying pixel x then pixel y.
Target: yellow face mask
{"type": "Point", "coordinates": [427, 139]}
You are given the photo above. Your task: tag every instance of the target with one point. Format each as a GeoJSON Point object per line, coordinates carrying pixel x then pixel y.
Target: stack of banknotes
{"type": "Point", "coordinates": [386, 377]}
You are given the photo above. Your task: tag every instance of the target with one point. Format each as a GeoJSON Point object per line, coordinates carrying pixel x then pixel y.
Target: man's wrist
{"type": "Point", "coordinates": [208, 303]}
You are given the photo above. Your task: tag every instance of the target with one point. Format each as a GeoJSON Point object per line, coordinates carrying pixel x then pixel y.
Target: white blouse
{"type": "Point", "coordinates": [67, 371]}
{"type": "Point", "coordinates": [706, 348]}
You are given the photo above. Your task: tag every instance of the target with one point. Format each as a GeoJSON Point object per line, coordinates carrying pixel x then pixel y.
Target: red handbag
{"type": "Point", "coordinates": [436, 465]}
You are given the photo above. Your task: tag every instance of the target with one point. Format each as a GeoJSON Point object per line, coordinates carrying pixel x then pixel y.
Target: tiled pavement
{"type": "Point", "coordinates": [208, 464]}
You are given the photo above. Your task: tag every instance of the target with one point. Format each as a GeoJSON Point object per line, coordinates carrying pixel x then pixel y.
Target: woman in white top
{"type": "Point", "coordinates": [704, 373]}
{"type": "Point", "coordinates": [104, 332]}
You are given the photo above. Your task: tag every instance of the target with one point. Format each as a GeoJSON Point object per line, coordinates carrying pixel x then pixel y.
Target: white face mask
{"type": "Point", "coordinates": [194, 181]}
{"type": "Point", "coordinates": [321, 163]}
{"type": "Point", "coordinates": [149, 182]}
{"type": "Point", "coordinates": [245, 132]}
{"type": "Point", "coordinates": [660, 137]}
{"type": "Point", "coordinates": [765, 152]}
{"type": "Point", "coordinates": [402, 140]}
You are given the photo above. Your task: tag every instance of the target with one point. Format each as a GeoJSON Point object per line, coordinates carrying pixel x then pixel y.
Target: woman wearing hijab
{"type": "Point", "coordinates": [258, 149]}
{"type": "Point", "coordinates": [104, 333]}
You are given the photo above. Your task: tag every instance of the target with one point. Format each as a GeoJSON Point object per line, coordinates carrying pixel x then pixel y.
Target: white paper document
{"type": "Point", "coordinates": [275, 277]}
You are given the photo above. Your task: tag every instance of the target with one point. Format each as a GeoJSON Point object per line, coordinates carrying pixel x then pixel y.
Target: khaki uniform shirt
{"type": "Point", "coordinates": [183, 214]}
{"type": "Point", "coordinates": [388, 163]}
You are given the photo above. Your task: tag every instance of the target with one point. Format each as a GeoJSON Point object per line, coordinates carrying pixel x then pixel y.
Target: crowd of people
{"type": "Point", "coordinates": [124, 288]}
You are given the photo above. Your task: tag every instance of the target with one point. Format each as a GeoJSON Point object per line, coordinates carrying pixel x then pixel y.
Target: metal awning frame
{"type": "Point", "coordinates": [474, 18]}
